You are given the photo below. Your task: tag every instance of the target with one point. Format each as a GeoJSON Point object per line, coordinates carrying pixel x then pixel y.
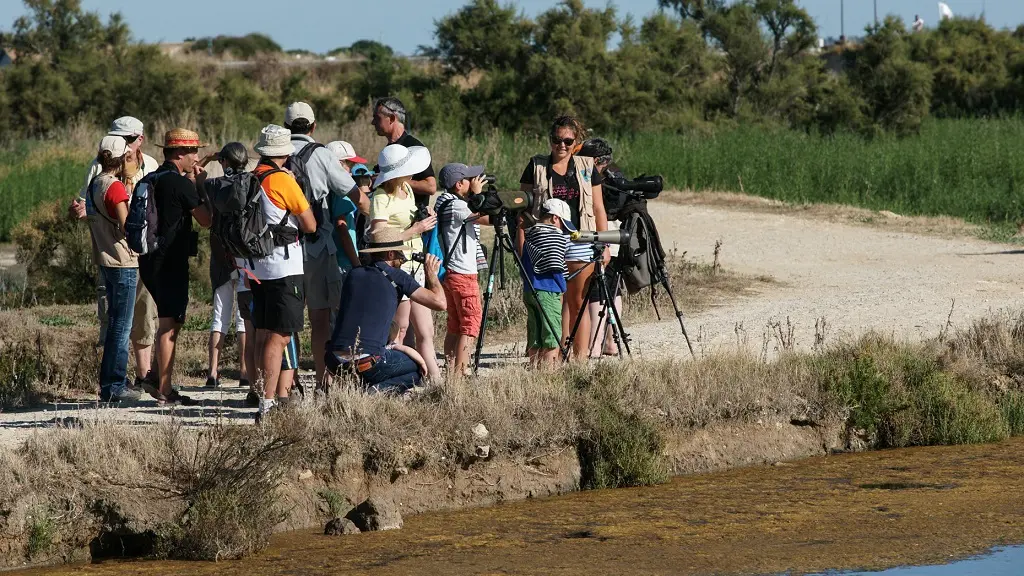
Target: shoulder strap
{"type": "Point", "coordinates": [264, 175]}
{"type": "Point", "coordinates": [307, 152]}
{"type": "Point", "coordinates": [398, 291]}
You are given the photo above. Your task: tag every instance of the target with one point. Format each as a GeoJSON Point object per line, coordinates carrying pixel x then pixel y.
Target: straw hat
{"type": "Point", "coordinates": [396, 161]}
{"type": "Point", "coordinates": [385, 239]}
{"type": "Point", "coordinates": [275, 142]}
{"type": "Point", "coordinates": [181, 138]}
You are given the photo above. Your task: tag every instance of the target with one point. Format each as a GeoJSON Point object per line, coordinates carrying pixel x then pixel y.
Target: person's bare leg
{"type": "Point", "coordinates": [402, 319]}
{"type": "Point", "coordinates": [597, 324]}
{"type": "Point", "coordinates": [166, 340]}
{"type": "Point", "coordinates": [573, 304]}
{"type": "Point", "coordinates": [214, 344]}
{"type": "Point", "coordinates": [284, 383]}
{"type": "Point", "coordinates": [423, 327]}
{"type": "Point", "coordinates": [270, 360]}
{"type": "Point", "coordinates": [451, 342]}
{"type": "Point", "coordinates": [320, 331]}
{"type": "Point", "coordinates": [252, 346]}
{"type": "Point", "coordinates": [243, 356]}
{"type": "Point", "coordinates": [462, 350]}
{"type": "Point", "coordinates": [143, 359]}
{"type": "Point", "coordinates": [548, 358]}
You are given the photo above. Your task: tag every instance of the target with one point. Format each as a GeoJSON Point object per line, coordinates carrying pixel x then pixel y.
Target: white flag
{"type": "Point", "coordinates": [944, 12]}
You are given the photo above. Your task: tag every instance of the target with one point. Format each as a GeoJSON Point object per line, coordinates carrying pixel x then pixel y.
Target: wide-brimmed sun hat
{"type": "Point", "coordinates": [396, 161]}
{"type": "Point", "coordinates": [384, 239]}
{"type": "Point", "coordinates": [275, 142]}
{"type": "Point", "coordinates": [181, 138]}
{"type": "Point", "coordinates": [115, 145]}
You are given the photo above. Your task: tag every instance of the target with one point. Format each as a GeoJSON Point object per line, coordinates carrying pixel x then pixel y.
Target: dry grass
{"type": "Point", "coordinates": [209, 491]}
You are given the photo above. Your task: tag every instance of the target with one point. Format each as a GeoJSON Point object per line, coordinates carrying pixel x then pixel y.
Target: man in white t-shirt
{"type": "Point", "coordinates": [460, 243]}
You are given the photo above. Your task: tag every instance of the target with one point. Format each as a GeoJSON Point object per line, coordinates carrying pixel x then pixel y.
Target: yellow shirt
{"type": "Point", "coordinates": [397, 213]}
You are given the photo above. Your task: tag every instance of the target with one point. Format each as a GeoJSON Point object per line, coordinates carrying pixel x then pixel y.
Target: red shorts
{"type": "Point", "coordinates": [464, 307]}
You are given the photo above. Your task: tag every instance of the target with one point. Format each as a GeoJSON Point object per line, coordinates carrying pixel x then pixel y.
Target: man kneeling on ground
{"type": "Point", "coordinates": [369, 300]}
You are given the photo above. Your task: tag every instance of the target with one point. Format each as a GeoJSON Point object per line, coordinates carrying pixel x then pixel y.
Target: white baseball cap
{"type": "Point", "coordinates": [344, 151]}
{"type": "Point", "coordinates": [556, 207]}
{"type": "Point", "coordinates": [115, 145]}
{"type": "Point", "coordinates": [126, 126]}
{"type": "Point", "coordinates": [297, 110]}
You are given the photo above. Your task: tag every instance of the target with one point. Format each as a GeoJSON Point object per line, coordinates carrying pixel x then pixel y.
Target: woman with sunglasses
{"type": "Point", "coordinates": [576, 181]}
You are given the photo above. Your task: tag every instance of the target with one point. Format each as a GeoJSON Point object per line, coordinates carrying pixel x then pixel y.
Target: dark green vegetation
{"type": "Point", "coordinates": [679, 70]}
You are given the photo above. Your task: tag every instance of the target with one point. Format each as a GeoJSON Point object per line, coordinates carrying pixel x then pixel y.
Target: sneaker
{"type": "Point", "coordinates": [243, 383]}
{"type": "Point", "coordinates": [252, 399]}
{"type": "Point", "coordinates": [121, 393]}
{"type": "Point", "coordinates": [212, 382]}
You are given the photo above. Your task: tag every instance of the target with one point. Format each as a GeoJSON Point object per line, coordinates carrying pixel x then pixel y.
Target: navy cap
{"type": "Point", "coordinates": [452, 173]}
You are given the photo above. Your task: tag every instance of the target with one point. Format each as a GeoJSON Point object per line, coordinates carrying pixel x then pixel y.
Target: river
{"type": "Point", "coordinates": [864, 511]}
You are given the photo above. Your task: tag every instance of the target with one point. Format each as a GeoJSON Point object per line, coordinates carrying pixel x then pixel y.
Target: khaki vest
{"type": "Point", "coordinates": [584, 167]}
{"type": "Point", "coordinates": [110, 249]}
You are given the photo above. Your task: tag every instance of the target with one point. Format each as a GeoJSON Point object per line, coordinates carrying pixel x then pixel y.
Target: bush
{"type": "Point", "coordinates": [57, 254]}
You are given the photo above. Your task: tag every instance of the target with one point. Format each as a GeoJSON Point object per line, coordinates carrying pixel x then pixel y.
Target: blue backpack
{"type": "Point", "coordinates": [141, 224]}
{"type": "Point", "coordinates": [432, 245]}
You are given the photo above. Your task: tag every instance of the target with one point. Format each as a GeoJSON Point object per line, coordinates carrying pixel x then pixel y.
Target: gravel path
{"type": "Point", "coordinates": [854, 277]}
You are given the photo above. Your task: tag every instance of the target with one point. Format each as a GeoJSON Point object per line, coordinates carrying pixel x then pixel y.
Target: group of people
{"type": "Point", "coordinates": [360, 250]}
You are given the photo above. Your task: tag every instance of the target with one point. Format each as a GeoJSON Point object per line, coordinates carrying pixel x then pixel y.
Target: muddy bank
{"type": "Point", "coordinates": [868, 510]}
{"type": "Point", "coordinates": [130, 521]}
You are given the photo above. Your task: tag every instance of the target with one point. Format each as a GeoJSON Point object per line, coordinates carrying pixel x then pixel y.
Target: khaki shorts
{"type": "Point", "coordinates": [322, 282]}
{"type": "Point", "coordinates": [144, 322]}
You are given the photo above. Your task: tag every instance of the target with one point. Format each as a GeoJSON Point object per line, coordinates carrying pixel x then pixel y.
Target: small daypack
{"type": "Point", "coordinates": [140, 227]}
{"type": "Point", "coordinates": [296, 164]}
{"type": "Point", "coordinates": [238, 217]}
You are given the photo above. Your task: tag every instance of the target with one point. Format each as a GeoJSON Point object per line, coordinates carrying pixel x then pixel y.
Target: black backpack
{"type": "Point", "coordinates": [296, 164]}
{"type": "Point", "coordinates": [238, 217]}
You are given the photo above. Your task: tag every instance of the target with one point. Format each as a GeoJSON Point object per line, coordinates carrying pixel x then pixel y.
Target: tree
{"type": "Point", "coordinates": [737, 33]}
{"type": "Point", "coordinates": [482, 36]}
{"type": "Point", "coordinates": [791, 27]}
{"type": "Point", "coordinates": [692, 9]}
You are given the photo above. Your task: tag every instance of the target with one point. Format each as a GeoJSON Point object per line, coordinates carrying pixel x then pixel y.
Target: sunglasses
{"type": "Point", "coordinates": [567, 142]}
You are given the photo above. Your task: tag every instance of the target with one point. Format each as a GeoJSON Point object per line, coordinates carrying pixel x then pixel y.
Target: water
{"type": "Point", "coordinates": [999, 562]}
{"type": "Point", "coordinates": [892, 508]}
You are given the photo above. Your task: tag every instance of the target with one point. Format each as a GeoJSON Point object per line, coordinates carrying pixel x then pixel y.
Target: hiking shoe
{"type": "Point", "coordinates": [176, 398]}
{"type": "Point", "coordinates": [152, 388]}
{"type": "Point", "coordinates": [121, 393]}
{"type": "Point", "coordinates": [212, 382]}
{"type": "Point", "coordinates": [243, 383]}
{"type": "Point", "coordinates": [252, 399]}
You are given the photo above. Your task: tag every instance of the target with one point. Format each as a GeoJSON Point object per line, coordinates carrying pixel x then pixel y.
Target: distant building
{"type": "Point", "coordinates": [7, 57]}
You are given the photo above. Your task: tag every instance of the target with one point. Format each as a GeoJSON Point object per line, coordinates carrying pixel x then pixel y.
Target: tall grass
{"type": "Point", "coordinates": [972, 169]}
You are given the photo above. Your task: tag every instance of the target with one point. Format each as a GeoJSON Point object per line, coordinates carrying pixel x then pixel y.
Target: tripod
{"type": "Point", "coordinates": [608, 303]}
{"type": "Point", "coordinates": [503, 244]}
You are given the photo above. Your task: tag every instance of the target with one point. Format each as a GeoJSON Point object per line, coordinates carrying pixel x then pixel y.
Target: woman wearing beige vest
{"type": "Point", "coordinates": [106, 205]}
{"type": "Point", "coordinates": [574, 180]}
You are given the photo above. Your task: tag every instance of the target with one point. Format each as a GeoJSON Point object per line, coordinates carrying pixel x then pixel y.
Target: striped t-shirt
{"type": "Point", "coordinates": [547, 246]}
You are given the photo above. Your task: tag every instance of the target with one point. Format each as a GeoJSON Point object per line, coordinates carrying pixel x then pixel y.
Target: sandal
{"type": "Point", "coordinates": [175, 398]}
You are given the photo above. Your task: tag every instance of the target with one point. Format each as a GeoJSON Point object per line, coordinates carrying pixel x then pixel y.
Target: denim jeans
{"type": "Point", "coordinates": [120, 283]}
{"type": "Point", "coordinates": [395, 372]}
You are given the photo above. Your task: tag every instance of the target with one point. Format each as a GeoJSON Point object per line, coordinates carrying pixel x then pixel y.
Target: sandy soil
{"type": "Point", "coordinates": [854, 277]}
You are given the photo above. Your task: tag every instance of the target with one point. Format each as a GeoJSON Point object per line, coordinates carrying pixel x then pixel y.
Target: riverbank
{"type": "Point", "coordinates": [854, 511]}
{"type": "Point", "coordinates": [96, 488]}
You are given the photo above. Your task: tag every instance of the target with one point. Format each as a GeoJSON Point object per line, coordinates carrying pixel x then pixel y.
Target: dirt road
{"type": "Point", "coordinates": [855, 277]}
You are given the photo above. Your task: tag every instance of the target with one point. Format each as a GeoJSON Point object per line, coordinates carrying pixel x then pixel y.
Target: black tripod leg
{"type": "Point", "coordinates": [618, 328]}
{"type": "Point", "coordinates": [488, 294]}
{"type": "Point", "coordinates": [679, 314]}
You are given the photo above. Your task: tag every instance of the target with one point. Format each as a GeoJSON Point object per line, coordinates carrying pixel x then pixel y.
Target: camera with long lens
{"type": "Point", "coordinates": [620, 237]}
{"type": "Point", "coordinates": [492, 203]}
{"type": "Point", "coordinates": [619, 190]}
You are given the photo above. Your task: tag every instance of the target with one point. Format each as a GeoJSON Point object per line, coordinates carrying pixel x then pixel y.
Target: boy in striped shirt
{"type": "Point", "coordinates": [544, 261]}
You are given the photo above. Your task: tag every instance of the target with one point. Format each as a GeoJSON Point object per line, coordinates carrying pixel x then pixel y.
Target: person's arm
{"type": "Point", "coordinates": [307, 221]}
{"type": "Point", "coordinates": [360, 196]}
{"type": "Point", "coordinates": [347, 246]}
{"type": "Point", "coordinates": [431, 295]}
{"type": "Point", "coordinates": [202, 215]}
{"type": "Point", "coordinates": [426, 187]}
{"type": "Point", "coordinates": [411, 232]}
{"type": "Point", "coordinates": [413, 354]}
{"type": "Point", "coordinates": [121, 213]}
{"type": "Point", "coordinates": [76, 210]}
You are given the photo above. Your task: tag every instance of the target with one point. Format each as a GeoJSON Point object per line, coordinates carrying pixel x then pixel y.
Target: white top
{"type": "Point", "coordinates": [452, 212]}
{"type": "Point", "coordinates": [285, 260]}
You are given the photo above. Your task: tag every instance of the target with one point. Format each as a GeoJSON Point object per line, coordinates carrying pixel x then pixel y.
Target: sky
{"type": "Point", "coordinates": [321, 25]}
